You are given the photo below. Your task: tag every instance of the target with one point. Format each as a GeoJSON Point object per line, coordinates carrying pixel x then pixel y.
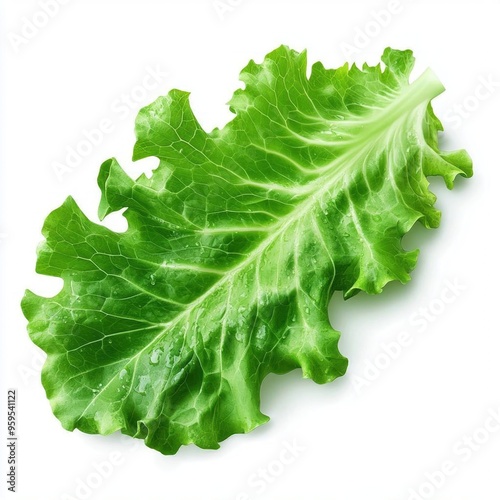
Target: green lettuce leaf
{"type": "Point", "coordinates": [234, 247]}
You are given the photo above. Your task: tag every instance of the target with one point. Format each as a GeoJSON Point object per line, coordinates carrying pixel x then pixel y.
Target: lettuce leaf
{"type": "Point", "coordinates": [235, 246]}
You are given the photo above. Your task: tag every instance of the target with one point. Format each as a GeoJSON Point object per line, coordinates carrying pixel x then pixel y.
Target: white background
{"type": "Point", "coordinates": [376, 441]}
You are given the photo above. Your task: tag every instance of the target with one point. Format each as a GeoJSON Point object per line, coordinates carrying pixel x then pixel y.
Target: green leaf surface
{"type": "Point", "coordinates": [235, 246]}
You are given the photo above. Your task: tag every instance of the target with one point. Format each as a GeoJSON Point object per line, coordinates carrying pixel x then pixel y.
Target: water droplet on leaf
{"type": "Point", "coordinates": [155, 356]}
{"type": "Point", "coordinates": [143, 383]}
